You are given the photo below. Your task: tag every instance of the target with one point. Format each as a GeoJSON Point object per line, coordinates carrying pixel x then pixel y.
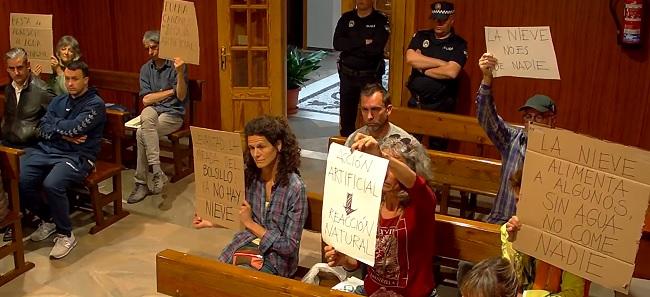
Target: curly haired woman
{"type": "Point", "coordinates": [275, 208]}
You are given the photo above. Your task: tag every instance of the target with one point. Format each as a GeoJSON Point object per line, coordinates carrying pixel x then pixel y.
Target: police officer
{"type": "Point", "coordinates": [361, 35]}
{"type": "Point", "coordinates": [436, 55]}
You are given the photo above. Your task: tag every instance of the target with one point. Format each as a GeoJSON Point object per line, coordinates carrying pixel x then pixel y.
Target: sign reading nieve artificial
{"type": "Point", "coordinates": [583, 204]}
{"type": "Point", "coordinates": [179, 32]}
{"type": "Point", "coordinates": [218, 176]}
{"type": "Point", "coordinates": [33, 32]}
{"type": "Point", "coordinates": [351, 201]}
{"type": "Point", "coordinates": [522, 51]}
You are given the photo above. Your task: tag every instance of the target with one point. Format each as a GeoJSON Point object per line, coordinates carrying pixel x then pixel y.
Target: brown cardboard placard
{"type": "Point", "coordinates": [179, 32]}
{"type": "Point", "coordinates": [33, 32]}
{"type": "Point", "coordinates": [218, 176]}
{"type": "Point", "coordinates": [583, 204]}
{"type": "Point", "coordinates": [522, 51]}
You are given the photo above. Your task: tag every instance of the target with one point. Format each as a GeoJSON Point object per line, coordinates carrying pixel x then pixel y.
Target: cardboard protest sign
{"type": "Point", "coordinates": [218, 176]}
{"type": "Point", "coordinates": [522, 51]}
{"type": "Point", "coordinates": [179, 32]}
{"type": "Point", "coordinates": [583, 204]}
{"type": "Point", "coordinates": [33, 32]}
{"type": "Point", "coordinates": [351, 201]}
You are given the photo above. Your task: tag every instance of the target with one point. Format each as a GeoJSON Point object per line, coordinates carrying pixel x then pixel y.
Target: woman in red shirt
{"type": "Point", "coordinates": [405, 241]}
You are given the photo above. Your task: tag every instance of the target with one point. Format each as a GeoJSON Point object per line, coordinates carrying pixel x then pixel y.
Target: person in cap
{"type": "Point", "coordinates": [436, 55]}
{"type": "Point", "coordinates": [509, 140]}
{"type": "Point", "coordinates": [361, 35]}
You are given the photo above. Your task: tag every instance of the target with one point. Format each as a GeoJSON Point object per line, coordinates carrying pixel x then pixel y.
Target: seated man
{"type": "Point", "coordinates": [375, 109]}
{"type": "Point", "coordinates": [71, 133]}
{"type": "Point", "coordinates": [163, 87]}
{"type": "Point", "coordinates": [509, 140]}
{"type": "Point", "coordinates": [20, 121]}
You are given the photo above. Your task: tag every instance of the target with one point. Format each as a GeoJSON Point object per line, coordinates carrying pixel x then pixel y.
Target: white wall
{"type": "Point", "coordinates": [322, 16]}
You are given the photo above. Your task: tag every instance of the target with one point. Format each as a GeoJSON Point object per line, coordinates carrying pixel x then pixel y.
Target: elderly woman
{"type": "Point", "coordinates": [67, 50]}
{"type": "Point", "coordinates": [405, 243]}
{"type": "Point", "coordinates": [275, 208]}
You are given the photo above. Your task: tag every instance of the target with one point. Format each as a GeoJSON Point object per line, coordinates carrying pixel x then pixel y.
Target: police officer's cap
{"type": "Point", "coordinates": [441, 10]}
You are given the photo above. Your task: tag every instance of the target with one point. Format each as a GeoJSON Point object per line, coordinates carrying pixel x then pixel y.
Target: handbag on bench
{"type": "Point", "coordinates": [248, 255]}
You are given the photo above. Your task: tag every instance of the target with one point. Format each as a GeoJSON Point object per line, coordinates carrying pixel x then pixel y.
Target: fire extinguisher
{"type": "Point", "coordinates": [629, 31]}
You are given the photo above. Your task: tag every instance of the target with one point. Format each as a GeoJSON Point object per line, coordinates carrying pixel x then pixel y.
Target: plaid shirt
{"type": "Point", "coordinates": [511, 143]}
{"type": "Point", "coordinates": [283, 220]}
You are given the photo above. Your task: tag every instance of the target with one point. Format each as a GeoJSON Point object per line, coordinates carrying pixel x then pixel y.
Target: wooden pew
{"type": "Point", "coordinates": [460, 172]}
{"type": "Point", "coordinates": [9, 165]}
{"type": "Point", "coordinates": [476, 175]}
{"type": "Point", "coordinates": [461, 128]}
{"type": "Point", "coordinates": [458, 238]}
{"type": "Point", "coordinates": [440, 124]}
{"type": "Point", "coordinates": [128, 82]}
{"type": "Point", "coordinates": [108, 165]}
{"type": "Point", "coordinates": [180, 274]}
{"type": "Point", "coordinates": [463, 239]}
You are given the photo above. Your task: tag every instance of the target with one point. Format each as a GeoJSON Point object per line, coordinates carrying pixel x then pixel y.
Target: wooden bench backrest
{"type": "Point", "coordinates": [466, 173]}
{"type": "Point", "coordinates": [129, 82]}
{"type": "Point", "coordinates": [113, 133]}
{"type": "Point", "coordinates": [461, 172]}
{"type": "Point", "coordinates": [440, 124]}
{"type": "Point", "coordinates": [458, 238]}
{"type": "Point", "coordinates": [180, 274]}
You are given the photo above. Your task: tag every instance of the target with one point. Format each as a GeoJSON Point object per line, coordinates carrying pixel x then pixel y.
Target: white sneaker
{"type": "Point", "coordinates": [62, 246]}
{"type": "Point", "coordinates": [44, 231]}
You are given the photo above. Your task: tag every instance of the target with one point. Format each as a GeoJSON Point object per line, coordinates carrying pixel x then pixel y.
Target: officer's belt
{"type": "Point", "coordinates": [353, 72]}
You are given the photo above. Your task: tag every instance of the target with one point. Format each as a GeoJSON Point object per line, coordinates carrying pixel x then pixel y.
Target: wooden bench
{"type": "Point", "coordinates": [9, 164]}
{"type": "Point", "coordinates": [460, 239]}
{"type": "Point", "coordinates": [128, 82]}
{"type": "Point", "coordinates": [443, 125]}
{"type": "Point", "coordinates": [180, 274]}
{"type": "Point", "coordinates": [463, 239]}
{"type": "Point", "coordinates": [460, 172]}
{"type": "Point", "coordinates": [108, 166]}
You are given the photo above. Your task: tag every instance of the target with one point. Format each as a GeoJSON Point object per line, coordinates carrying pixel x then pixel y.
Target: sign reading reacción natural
{"type": "Point", "coordinates": [351, 201]}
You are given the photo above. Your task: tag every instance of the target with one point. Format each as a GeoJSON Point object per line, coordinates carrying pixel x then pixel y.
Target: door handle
{"type": "Point", "coordinates": [224, 56]}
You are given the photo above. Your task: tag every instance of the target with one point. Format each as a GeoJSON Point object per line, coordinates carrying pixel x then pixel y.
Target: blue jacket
{"type": "Point", "coordinates": [67, 116]}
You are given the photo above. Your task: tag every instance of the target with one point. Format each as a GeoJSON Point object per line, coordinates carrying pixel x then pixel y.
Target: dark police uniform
{"type": "Point", "coordinates": [431, 93]}
{"type": "Point", "coordinates": [359, 64]}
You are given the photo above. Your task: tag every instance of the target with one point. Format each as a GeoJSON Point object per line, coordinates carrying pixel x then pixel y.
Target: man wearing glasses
{"type": "Point", "coordinates": [509, 140]}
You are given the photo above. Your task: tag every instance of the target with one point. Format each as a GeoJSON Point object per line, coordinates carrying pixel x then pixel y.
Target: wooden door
{"type": "Point", "coordinates": [252, 60]}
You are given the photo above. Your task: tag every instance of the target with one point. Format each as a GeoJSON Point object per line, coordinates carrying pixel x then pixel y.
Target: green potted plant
{"type": "Point", "coordinates": [299, 65]}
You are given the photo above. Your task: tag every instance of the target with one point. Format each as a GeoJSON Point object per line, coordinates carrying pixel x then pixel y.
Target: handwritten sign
{"type": "Point", "coordinates": [583, 204]}
{"type": "Point", "coordinates": [33, 32]}
{"type": "Point", "coordinates": [522, 51]}
{"type": "Point", "coordinates": [351, 201]}
{"type": "Point", "coordinates": [218, 176]}
{"type": "Point", "coordinates": [179, 33]}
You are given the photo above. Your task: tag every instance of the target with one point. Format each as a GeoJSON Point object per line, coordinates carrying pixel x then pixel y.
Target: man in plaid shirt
{"type": "Point", "coordinates": [509, 140]}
